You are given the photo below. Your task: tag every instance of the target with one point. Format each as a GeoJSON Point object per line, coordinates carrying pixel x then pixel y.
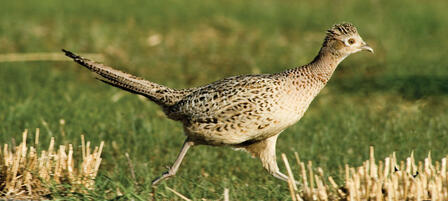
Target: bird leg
{"type": "Point", "coordinates": [265, 150]}
{"type": "Point", "coordinates": [173, 169]}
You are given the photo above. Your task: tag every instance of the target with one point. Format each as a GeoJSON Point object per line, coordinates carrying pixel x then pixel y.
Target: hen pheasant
{"type": "Point", "coordinates": [248, 111]}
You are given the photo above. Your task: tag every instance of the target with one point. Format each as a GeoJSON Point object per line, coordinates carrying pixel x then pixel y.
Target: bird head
{"type": "Point", "coordinates": [343, 40]}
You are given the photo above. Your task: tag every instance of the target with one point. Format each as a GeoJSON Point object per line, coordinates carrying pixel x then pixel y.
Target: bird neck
{"type": "Point", "coordinates": [324, 64]}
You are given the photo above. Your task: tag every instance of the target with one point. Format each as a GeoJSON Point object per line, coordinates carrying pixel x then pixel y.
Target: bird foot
{"type": "Point", "coordinates": [283, 177]}
{"type": "Point", "coordinates": [164, 176]}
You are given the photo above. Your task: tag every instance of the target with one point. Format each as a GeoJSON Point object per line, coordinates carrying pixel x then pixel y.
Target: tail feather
{"type": "Point", "coordinates": [160, 94]}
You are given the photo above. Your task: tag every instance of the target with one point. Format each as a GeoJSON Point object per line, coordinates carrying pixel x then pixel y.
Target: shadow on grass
{"type": "Point", "coordinates": [410, 87]}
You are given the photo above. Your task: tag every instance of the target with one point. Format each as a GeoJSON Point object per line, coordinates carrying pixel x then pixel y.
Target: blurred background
{"type": "Point", "coordinates": [395, 99]}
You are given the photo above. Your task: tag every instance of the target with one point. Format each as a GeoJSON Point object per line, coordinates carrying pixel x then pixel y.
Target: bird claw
{"type": "Point", "coordinates": [164, 176]}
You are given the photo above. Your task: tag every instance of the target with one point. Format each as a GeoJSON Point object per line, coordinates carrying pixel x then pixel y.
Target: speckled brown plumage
{"type": "Point", "coordinates": [248, 111]}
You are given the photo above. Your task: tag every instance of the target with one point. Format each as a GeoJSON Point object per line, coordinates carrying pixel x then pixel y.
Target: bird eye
{"type": "Point", "coordinates": [351, 41]}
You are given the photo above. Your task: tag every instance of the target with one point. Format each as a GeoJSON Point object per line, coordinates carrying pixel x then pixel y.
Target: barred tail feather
{"type": "Point", "coordinates": [160, 94]}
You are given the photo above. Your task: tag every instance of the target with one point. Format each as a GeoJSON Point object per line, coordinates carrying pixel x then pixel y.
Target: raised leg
{"type": "Point", "coordinates": [173, 169]}
{"type": "Point", "coordinates": [265, 150]}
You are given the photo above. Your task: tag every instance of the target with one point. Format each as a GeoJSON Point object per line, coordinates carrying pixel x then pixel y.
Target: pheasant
{"type": "Point", "coordinates": [246, 112]}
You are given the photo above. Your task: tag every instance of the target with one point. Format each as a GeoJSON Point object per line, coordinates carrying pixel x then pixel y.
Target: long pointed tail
{"type": "Point", "coordinates": [160, 94]}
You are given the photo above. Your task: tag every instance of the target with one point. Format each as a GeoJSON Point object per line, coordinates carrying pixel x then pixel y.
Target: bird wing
{"type": "Point", "coordinates": [230, 100]}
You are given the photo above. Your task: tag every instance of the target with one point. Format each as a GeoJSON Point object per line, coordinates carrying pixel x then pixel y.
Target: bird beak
{"type": "Point", "coordinates": [367, 48]}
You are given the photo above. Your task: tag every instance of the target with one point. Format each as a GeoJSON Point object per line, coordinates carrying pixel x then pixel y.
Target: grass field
{"type": "Point", "coordinates": [395, 100]}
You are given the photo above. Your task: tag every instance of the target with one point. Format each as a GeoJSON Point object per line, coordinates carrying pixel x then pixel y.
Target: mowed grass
{"type": "Point", "coordinates": [395, 100]}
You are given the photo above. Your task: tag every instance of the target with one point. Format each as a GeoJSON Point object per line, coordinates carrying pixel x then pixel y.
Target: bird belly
{"type": "Point", "coordinates": [238, 132]}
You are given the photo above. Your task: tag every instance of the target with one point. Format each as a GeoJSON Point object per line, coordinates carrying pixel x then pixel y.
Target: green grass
{"type": "Point", "coordinates": [395, 100]}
